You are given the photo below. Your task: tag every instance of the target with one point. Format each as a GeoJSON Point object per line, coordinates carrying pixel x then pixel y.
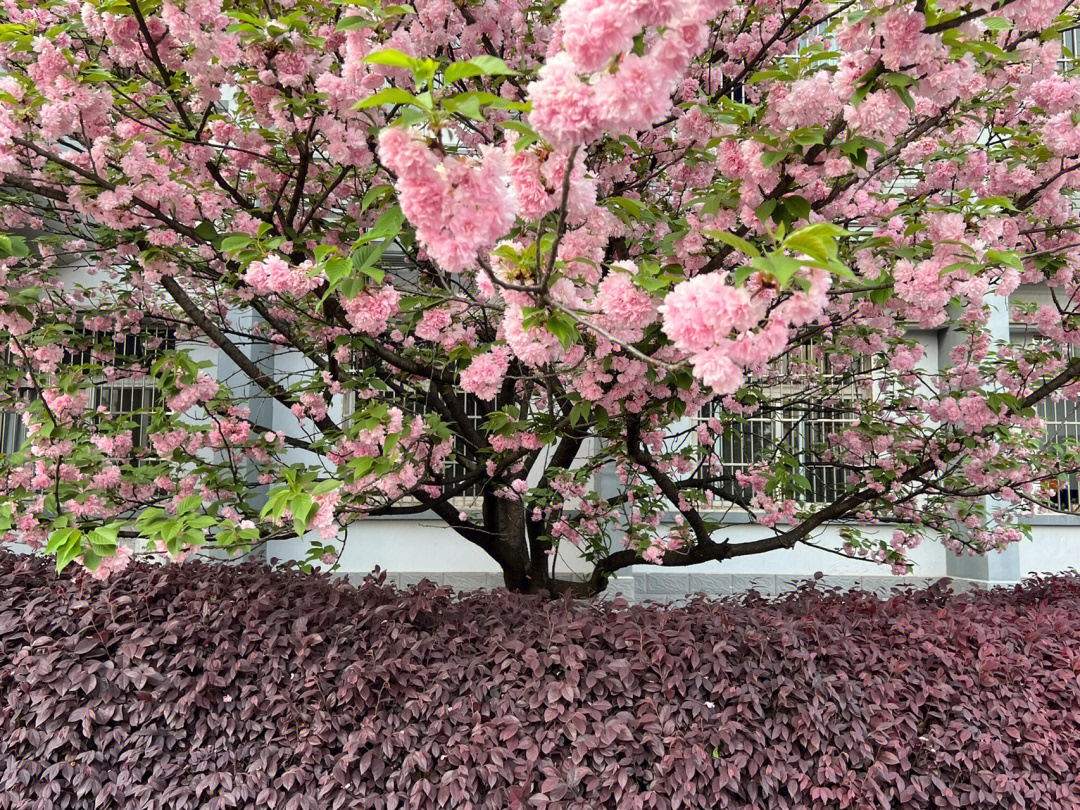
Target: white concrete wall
{"type": "Point", "coordinates": [414, 547]}
{"type": "Point", "coordinates": [1052, 549]}
{"type": "Point", "coordinates": [411, 548]}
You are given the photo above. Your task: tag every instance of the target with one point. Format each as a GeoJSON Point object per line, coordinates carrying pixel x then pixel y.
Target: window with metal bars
{"type": "Point", "coordinates": [793, 425]}
{"type": "Point", "coordinates": [1062, 419]}
{"type": "Point", "coordinates": [463, 458]}
{"type": "Point", "coordinates": [131, 398]}
{"type": "Point", "coordinates": [1070, 40]}
{"type": "Point", "coordinates": [12, 429]}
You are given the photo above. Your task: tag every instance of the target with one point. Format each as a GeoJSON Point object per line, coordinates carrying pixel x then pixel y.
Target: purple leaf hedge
{"type": "Point", "coordinates": [201, 686]}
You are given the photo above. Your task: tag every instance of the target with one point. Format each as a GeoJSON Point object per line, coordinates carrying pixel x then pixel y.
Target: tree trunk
{"type": "Point", "coordinates": [525, 561]}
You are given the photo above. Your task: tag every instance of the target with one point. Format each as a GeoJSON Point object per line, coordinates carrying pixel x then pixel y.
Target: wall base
{"type": "Point", "coordinates": [667, 586]}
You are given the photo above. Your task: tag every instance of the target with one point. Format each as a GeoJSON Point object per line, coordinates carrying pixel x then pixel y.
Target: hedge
{"type": "Point", "coordinates": [214, 686]}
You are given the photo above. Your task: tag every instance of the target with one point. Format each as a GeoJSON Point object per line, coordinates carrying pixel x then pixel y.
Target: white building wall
{"type": "Point", "coordinates": [422, 547]}
{"type": "Point", "coordinates": [415, 547]}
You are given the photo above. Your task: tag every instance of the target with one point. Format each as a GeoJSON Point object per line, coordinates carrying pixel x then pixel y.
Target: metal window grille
{"type": "Point", "coordinates": [466, 457]}
{"type": "Point", "coordinates": [129, 398]}
{"type": "Point", "coordinates": [1063, 427]}
{"type": "Point", "coordinates": [1070, 41]}
{"type": "Point", "coordinates": [800, 430]}
{"type": "Point", "coordinates": [132, 400]}
{"type": "Point", "coordinates": [12, 429]}
{"type": "Point", "coordinates": [463, 457]}
{"type": "Point", "coordinates": [12, 432]}
{"type": "Point", "coordinates": [1062, 419]}
{"type": "Point", "coordinates": [737, 94]}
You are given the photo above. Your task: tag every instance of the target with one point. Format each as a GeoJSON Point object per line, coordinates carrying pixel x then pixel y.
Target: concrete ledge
{"type": "Point", "coordinates": [667, 586]}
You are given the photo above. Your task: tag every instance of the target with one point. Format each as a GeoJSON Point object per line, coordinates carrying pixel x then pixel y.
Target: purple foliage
{"type": "Point", "coordinates": [199, 686]}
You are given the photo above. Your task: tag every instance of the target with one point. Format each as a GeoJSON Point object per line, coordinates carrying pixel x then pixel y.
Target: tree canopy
{"type": "Point", "coordinates": [600, 273]}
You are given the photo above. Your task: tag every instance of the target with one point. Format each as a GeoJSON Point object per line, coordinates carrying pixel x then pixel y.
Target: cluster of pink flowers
{"type": "Point", "coordinates": [275, 275]}
{"type": "Point", "coordinates": [484, 374]}
{"type": "Point", "coordinates": [66, 406]}
{"type": "Point", "coordinates": [458, 205]}
{"type": "Point", "coordinates": [537, 179]}
{"type": "Point", "coordinates": [370, 311]}
{"type": "Point", "coordinates": [699, 317]}
{"type": "Point", "coordinates": [971, 412]}
{"type": "Point", "coordinates": [621, 91]}
{"type": "Point", "coordinates": [623, 308]}
{"type": "Point", "coordinates": [808, 102]}
{"type": "Point", "coordinates": [534, 346]}
{"type": "Point", "coordinates": [204, 389]}
{"type": "Point", "coordinates": [723, 328]}
{"type": "Point", "coordinates": [324, 521]}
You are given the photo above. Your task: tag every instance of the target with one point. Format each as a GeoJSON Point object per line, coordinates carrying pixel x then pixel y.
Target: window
{"type": "Point", "coordinates": [466, 457]}
{"type": "Point", "coordinates": [463, 458]}
{"type": "Point", "coordinates": [1062, 418]}
{"type": "Point", "coordinates": [1070, 41]}
{"type": "Point", "coordinates": [12, 429]}
{"type": "Point", "coordinates": [795, 422]}
{"type": "Point", "coordinates": [132, 399]}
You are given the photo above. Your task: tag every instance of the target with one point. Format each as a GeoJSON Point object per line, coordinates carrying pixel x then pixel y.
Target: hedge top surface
{"type": "Point", "coordinates": [212, 686]}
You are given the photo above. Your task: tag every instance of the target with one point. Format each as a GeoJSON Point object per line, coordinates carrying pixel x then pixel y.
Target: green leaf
{"type": "Point", "coordinates": [1005, 257]}
{"type": "Point", "coordinates": [564, 330]}
{"type": "Point", "coordinates": [69, 552]}
{"type": "Point", "coordinates": [477, 66]}
{"type": "Point", "coordinates": [772, 158]}
{"type": "Point", "coordinates": [325, 486]}
{"type": "Point", "coordinates": [387, 226]}
{"type": "Point", "coordinates": [322, 251]}
{"type": "Point", "coordinates": [391, 57]}
{"type": "Point", "coordinates": [736, 242]}
{"type": "Point", "coordinates": [301, 507]}
{"type": "Point", "coordinates": [275, 504]}
{"type": "Point", "coordinates": [59, 539]}
{"type": "Point", "coordinates": [365, 257]}
{"type": "Point", "coordinates": [996, 202]}
{"type": "Point", "coordinates": [361, 466]}
{"type": "Point", "coordinates": [906, 97]}
{"type": "Point", "coordinates": [780, 267]}
{"type": "Point", "coordinates": [354, 23]}
{"type": "Point", "coordinates": [374, 194]}
{"type": "Point", "coordinates": [234, 244]}
{"type": "Point", "coordinates": [467, 104]}
{"type": "Point", "coordinates": [391, 95]}
{"type": "Point", "coordinates": [528, 135]}
{"type": "Point", "coordinates": [633, 207]}
{"type": "Point", "coordinates": [808, 136]}
{"type": "Point", "coordinates": [797, 206]}
{"type": "Point", "coordinates": [189, 504]}
{"type": "Point", "coordinates": [765, 75]}
{"type": "Point", "coordinates": [492, 66]}
{"type": "Point", "coordinates": [818, 241]}
{"type": "Point", "coordinates": [14, 246]}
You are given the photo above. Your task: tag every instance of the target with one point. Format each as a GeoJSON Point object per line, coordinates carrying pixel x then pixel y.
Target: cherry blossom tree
{"type": "Point", "coordinates": [513, 249]}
